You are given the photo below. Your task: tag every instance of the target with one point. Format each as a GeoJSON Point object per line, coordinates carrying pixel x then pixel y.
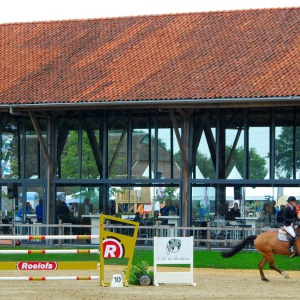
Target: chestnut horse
{"type": "Point", "coordinates": [267, 244]}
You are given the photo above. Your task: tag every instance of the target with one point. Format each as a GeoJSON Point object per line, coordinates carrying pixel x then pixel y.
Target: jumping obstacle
{"type": "Point", "coordinates": [87, 265]}
{"type": "Point", "coordinates": [113, 245]}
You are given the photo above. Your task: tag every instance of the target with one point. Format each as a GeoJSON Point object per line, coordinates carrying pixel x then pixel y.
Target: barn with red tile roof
{"type": "Point", "coordinates": [195, 84]}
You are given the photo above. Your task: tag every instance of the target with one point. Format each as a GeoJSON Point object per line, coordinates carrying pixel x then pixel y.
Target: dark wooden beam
{"type": "Point", "coordinates": [42, 143]}
{"type": "Point", "coordinates": [97, 153]}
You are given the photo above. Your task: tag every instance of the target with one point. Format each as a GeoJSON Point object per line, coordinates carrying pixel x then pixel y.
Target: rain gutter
{"type": "Point", "coordinates": [241, 102]}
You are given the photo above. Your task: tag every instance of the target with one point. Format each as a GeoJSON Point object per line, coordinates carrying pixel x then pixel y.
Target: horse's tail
{"type": "Point", "coordinates": [246, 242]}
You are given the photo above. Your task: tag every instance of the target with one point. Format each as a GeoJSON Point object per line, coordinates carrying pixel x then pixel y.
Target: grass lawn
{"type": "Point", "coordinates": [202, 259]}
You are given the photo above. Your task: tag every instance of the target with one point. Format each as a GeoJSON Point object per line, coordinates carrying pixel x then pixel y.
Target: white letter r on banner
{"type": "Point", "coordinates": [110, 251]}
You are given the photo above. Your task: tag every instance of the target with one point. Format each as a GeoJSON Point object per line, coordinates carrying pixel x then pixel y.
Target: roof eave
{"type": "Point", "coordinates": [174, 103]}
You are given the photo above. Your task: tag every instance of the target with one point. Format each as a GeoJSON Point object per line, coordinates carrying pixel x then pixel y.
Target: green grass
{"type": "Point", "coordinates": [213, 259]}
{"type": "Point", "coordinates": [202, 259]}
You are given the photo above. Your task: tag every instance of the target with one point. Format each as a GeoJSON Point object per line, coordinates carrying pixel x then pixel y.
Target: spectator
{"type": "Point", "coordinates": [58, 202]}
{"type": "Point", "coordinates": [138, 218]}
{"type": "Point", "coordinates": [273, 207]}
{"type": "Point", "coordinates": [18, 217]}
{"type": "Point", "coordinates": [279, 217]}
{"type": "Point", "coordinates": [63, 212]}
{"type": "Point", "coordinates": [29, 209]}
{"type": "Point", "coordinates": [85, 208]}
{"type": "Point", "coordinates": [202, 212]}
{"type": "Point", "coordinates": [19, 214]}
{"type": "Point", "coordinates": [155, 216]}
{"type": "Point", "coordinates": [39, 211]}
{"type": "Point", "coordinates": [146, 218]}
{"type": "Point", "coordinates": [167, 210]}
{"type": "Point", "coordinates": [266, 213]}
{"type": "Point", "coordinates": [74, 210]}
{"type": "Point", "coordinates": [233, 213]}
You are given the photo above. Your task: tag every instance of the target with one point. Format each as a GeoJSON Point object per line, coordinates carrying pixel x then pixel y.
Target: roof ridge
{"type": "Point", "coordinates": [150, 15]}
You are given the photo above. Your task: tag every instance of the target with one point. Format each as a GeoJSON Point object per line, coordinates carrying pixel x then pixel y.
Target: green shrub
{"type": "Point", "coordinates": [137, 271]}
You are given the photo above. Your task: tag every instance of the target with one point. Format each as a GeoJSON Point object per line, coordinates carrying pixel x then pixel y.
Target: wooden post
{"type": "Point", "coordinates": [208, 236]}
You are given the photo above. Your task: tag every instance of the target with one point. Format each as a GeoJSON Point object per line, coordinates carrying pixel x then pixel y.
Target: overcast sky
{"type": "Point", "coordinates": [42, 10]}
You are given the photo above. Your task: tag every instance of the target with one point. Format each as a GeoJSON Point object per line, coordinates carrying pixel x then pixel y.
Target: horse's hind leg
{"type": "Point", "coordinates": [273, 267]}
{"type": "Point", "coordinates": [261, 268]}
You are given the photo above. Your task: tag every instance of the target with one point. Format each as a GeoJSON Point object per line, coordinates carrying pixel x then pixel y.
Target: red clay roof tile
{"type": "Point", "coordinates": [249, 53]}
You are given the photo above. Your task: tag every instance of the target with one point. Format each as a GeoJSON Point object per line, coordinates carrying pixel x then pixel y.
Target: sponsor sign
{"type": "Point", "coordinates": [177, 250]}
{"type": "Point", "coordinates": [173, 251]}
{"type": "Point", "coordinates": [36, 265]}
{"type": "Point", "coordinates": [112, 248]}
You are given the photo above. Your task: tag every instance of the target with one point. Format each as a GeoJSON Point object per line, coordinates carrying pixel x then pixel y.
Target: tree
{"type": "Point", "coordinates": [257, 163]}
{"type": "Point", "coordinates": [284, 159]}
{"type": "Point", "coordinates": [205, 164]}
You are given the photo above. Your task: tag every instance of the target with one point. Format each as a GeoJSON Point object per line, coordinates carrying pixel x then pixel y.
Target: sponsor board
{"type": "Point", "coordinates": [36, 265]}
{"type": "Point", "coordinates": [113, 248]}
{"type": "Point", "coordinates": [175, 251]}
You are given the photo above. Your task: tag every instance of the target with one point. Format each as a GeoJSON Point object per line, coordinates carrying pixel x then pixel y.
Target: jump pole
{"type": "Point", "coordinates": [42, 278]}
{"type": "Point", "coordinates": [48, 237]}
{"type": "Point", "coordinates": [61, 265]}
{"type": "Point", "coordinates": [71, 251]}
{"type": "Point", "coordinates": [10, 265]}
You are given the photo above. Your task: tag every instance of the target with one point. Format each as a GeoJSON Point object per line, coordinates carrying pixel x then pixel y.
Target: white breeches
{"type": "Point", "coordinates": [290, 230]}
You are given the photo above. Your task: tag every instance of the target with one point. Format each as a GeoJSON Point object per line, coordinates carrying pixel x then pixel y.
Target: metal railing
{"type": "Point", "coordinates": [207, 237]}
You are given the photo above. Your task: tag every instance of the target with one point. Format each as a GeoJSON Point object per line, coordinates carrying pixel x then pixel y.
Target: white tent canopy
{"type": "Point", "coordinates": [234, 174]}
{"type": "Point", "coordinates": [72, 199]}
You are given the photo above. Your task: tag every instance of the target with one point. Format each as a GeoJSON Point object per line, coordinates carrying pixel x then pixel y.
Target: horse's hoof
{"type": "Point", "coordinates": [287, 277]}
{"type": "Point", "coordinates": [265, 279]}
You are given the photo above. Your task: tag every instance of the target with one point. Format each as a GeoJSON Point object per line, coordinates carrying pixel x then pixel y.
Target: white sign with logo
{"type": "Point", "coordinates": [170, 251]}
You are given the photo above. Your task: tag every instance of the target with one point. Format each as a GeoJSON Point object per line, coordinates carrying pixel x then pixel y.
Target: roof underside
{"type": "Point", "coordinates": [215, 55]}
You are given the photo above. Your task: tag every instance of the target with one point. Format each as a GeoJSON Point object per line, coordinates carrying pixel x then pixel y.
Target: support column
{"type": "Point", "coordinates": [184, 144]}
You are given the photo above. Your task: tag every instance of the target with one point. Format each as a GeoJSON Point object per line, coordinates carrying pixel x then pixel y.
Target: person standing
{"type": "Point", "coordinates": [39, 211]}
{"type": "Point", "coordinates": [63, 212]}
{"type": "Point", "coordinates": [279, 217]}
{"type": "Point", "coordinates": [85, 208]}
{"type": "Point", "coordinates": [289, 217]}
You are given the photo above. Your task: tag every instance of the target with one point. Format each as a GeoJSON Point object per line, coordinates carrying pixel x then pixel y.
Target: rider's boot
{"type": "Point", "coordinates": [292, 247]}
